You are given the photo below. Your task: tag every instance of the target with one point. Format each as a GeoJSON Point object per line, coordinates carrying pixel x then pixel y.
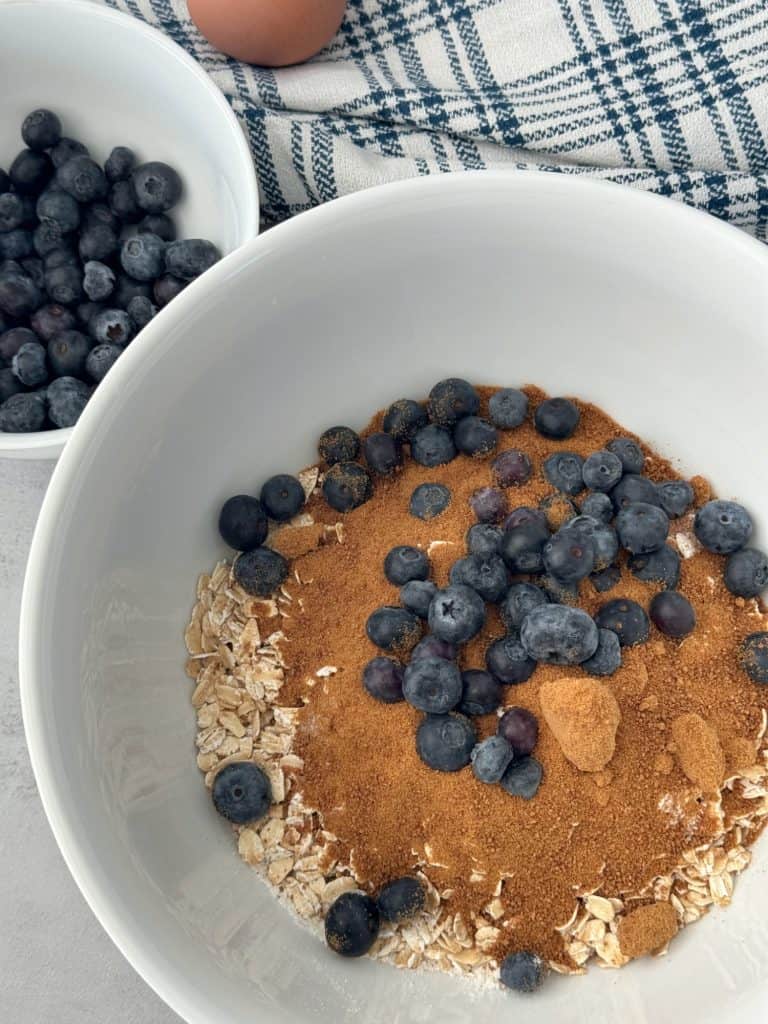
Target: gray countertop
{"type": "Point", "coordinates": [56, 962]}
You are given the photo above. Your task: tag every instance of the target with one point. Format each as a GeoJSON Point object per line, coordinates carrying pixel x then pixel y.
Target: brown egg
{"type": "Point", "coordinates": [269, 32]}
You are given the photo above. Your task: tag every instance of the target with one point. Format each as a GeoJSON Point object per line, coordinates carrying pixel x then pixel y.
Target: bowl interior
{"type": "Point", "coordinates": [653, 311]}
{"type": "Point", "coordinates": [115, 81]}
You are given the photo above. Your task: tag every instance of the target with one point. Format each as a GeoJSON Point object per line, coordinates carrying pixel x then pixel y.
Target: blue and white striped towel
{"type": "Point", "coordinates": [665, 95]}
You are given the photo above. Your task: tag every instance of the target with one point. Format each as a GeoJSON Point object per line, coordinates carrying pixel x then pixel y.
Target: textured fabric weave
{"type": "Point", "coordinates": [665, 95]}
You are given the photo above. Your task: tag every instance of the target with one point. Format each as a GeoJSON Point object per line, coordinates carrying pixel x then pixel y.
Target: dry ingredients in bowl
{"type": "Point", "coordinates": [483, 690]}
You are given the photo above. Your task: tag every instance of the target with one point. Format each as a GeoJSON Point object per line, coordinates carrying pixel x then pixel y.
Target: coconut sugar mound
{"type": "Point", "coordinates": [657, 811]}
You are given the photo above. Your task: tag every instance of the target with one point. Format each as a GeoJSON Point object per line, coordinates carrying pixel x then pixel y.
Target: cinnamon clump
{"type": "Point", "coordinates": [647, 929]}
{"type": "Point", "coordinates": [699, 751]}
{"type": "Point", "coordinates": [583, 715]}
{"type": "Point", "coordinates": [392, 813]}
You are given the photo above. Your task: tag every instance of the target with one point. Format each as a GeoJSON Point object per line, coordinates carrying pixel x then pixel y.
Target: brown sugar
{"type": "Point", "coordinates": [647, 929]}
{"type": "Point", "coordinates": [392, 814]}
{"type": "Point", "coordinates": [584, 716]}
{"type": "Point", "coordinates": [699, 751]}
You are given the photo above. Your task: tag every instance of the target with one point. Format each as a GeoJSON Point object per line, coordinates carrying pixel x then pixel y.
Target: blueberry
{"type": "Point", "coordinates": [338, 444]}
{"type": "Point", "coordinates": [432, 446]}
{"type": "Point", "coordinates": [67, 353]}
{"type": "Point", "coordinates": [481, 693]}
{"type": "Point", "coordinates": [10, 267]}
{"type": "Point", "coordinates": [5, 181]}
{"type": "Point", "coordinates": [241, 792]}
{"type": "Point", "coordinates": [86, 311]}
{"type": "Point", "coordinates": [429, 500]}
{"type": "Point", "coordinates": [126, 289]}
{"type": "Point", "coordinates": [15, 245]}
{"type": "Point", "coordinates": [260, 571]}
{"type": "Point", "coordinates": [508, 408]}
{"type": "Point", "coordinates": [159, 224]}
{"type": "Point", "coordinates": [432, 685]}
{"type": "Point", "coordinates": [82, 178]}
{"type": "Point", "coordinates": [64, 256]}
{"type": "Point", "coordinates": [190, 258]}
{"type": "Point", "coordinates": [100, 360]}
{"type": "Point", "coordinates": [629, 453]}
{"type": "Point", "coordinates": [569, 556]}
{"type": "Point", "coordinates": [746, 572]}
{"type": "Point", "coordinates": [405, 563]}
{"type": "Point", "coordinates": [556, 418]}
{"type": "Point", "coordinates": [416, 596]}
{"type": "Point", "coordinates": [523, 778]}
{"type": "Point", "coordinates": [347, 486]}
{"type": "Point", "coordinates": [676, 497]}
{"type": "Point", "coordinates": [393, 629]}
{"type": "Point", "coordinates": [522, 972]}
{"type": "Point", "coordinates": [602, 471]}
{"type": "Point", "coordinates": [111, 327]}
{"type": "Point", "coordinates": [67, 397]}
{"type": "Point", "coordinates": [508, 661]}
{"type": "Point", "coordinates": [523, 515]}
{"type": "Point", "coordinates": [489, 504]}
{"type": "Point", "coordinates": [522, 547]}
{"type": "Point", "coordinates": [157, 186]}
{"type": "Point", "coordinates": [451, 400]}
{"type": "Point", "coordinates": [64, 284]}
{"type": "Point", "coordinates": [122, 203]}
{"type": "Point", "coordinates": [143, 257]}
{"type": "Point", "coordinates": [607, 658]}
{"type": "Point", "coordinates": [9, 384]}
{"type": "Point", "coordinates": [487, 574]}
{"type": "Point", "coordinates": [627, 620]}
{"type": "Point", "coordinates": [660, 566]}
{"type": "Point", "coordinates": [491, 758]}
{"type": "Point", "coordinates": [604, 538]}
{"type": "Point", "coordinates": [22, 414]}
{"type": "Point", "coordinates": [30, 172]}
{"type": "Point", "coordinates": [11, 341]}
{"type": "Point", "coordinates": [167, 288]}
{"type": "Point", "coordinates": [141, 311]}
{"type": "Point", "coordinates": [400, 899]}
{"type": "Point", "coordinates": [672, 614]}
{"type": "Point", "coordinates": [753, 653]}
{"type": "Point", "coordinates": [98, 242]}
{"type": "Point", "coordinates": [722, 526]}
{"type": "Point", "coordinates": [282, 497]}
{"type": "Point", "coordinates": [403, 418]}
{"type": "Point", "coordinates": [34, 269]}
{"type": "Point", "coordinates": [456, 614]}
{"type": "Point", "coordinates": [484, 539]}
{"type": "Point", "coordinates": [520, 599]}
{"type": "Point", "coordinates": [642, 528]}
{"type": "Point", "coordinates": [11, 211]}
{"type": "Point", "coordinates": [511, 468]}
{"type": "Point", "coordinates": [520, 728]}
{"type": "Point", "coordinates": [599, 506]}
{"type": "Point", "coordinates": [352, 924]}
{"type": "Point", "coordinates": [59, 206]}
{"type": "Point", "coordinates": [98, 281]}
{"type": "Point", "coordinates": [564, 471]}
{"type": "Point", "coordinates": [606, 579]}
{"type": "Point", "coordinates": [382, 453]}
{"type": "Point", "coordinates": [474, 436]}
{"type": "Point", "coordinates": [383, 679]}
{"type": "Point", "coordinates": [29, 364]}
{"type": "Point", "coordinates": [434, 647]}
{"type": "Point", "coordinates": [65, 150]}
{"type": "Point", "coordinates": [243, 522]}
{"type": "Point", "coordinates": [41, 129]}
{"type": "Point", "coordinates": [445, 742]}
{"type": "Point", "coordinates": [47, 238]}
{"type": "Point", "coordinates": [119, 164]}
{"type": "Point", "coordinates": [558, 510]}
{"type": "Point", "coordinates": [19, 295]}
{"type": "Point", "coordinates": [559, 635]}
{"type": "Point", "coordinates": [631, 489]}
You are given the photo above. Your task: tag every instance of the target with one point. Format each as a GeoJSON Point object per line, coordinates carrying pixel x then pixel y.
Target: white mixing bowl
{"type": "Point", "coordinates": [114, 81]}
{"type": "Point", "coordinates": [654, 311]}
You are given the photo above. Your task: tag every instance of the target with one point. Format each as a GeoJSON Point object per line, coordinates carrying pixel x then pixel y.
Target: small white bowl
{"type": "Point", "coordinates": [651, 309]}
{"type": "Point", "coordinates": [113, 80]}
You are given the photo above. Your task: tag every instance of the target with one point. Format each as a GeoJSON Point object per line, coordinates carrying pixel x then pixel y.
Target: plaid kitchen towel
{"type": "Point", "coordinates": [665, 95]}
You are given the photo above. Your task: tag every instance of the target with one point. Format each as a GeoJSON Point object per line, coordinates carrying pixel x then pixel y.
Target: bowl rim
{"type": "Point", "coordinates": [48, 444]}
{"type": "Point", "coordinates": [165, 978]}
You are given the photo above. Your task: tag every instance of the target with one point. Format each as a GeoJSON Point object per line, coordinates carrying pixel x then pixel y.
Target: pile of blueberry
{"type": "Point", "coordinates": [87, 256]}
